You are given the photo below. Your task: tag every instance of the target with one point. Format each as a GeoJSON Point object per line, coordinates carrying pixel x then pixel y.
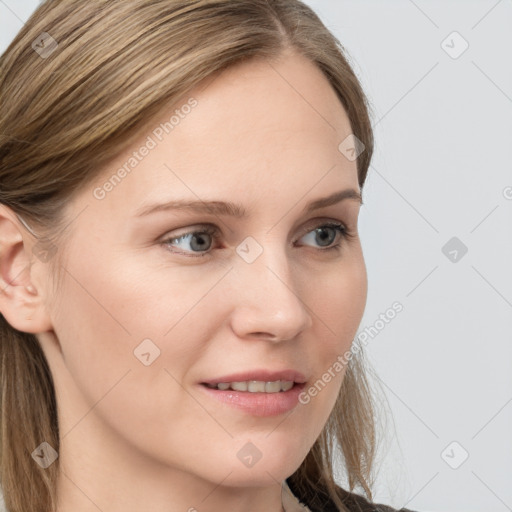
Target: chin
{"type": "Point", "coordinates": [266, 466]}
{"type": "Point", "coordinates": [263, 476]}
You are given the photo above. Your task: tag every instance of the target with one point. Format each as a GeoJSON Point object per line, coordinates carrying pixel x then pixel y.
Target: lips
{"type": "Point", "coordinates": [249, 398]}
{"type": "Point", "coordinates": [256, 404]}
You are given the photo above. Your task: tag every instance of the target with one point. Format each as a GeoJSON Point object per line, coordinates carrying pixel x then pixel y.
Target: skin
{"type": "Point", "coordinates": [136, 437]}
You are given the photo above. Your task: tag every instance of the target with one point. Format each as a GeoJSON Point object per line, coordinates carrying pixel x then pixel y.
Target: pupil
{"type": "Point", "coordinates": [323, 235]}
{"type": "Point", "coordinates": [201, 239]}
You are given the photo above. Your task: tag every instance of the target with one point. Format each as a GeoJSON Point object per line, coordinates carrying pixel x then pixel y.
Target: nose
{"type": "Point", "coordinates": [269, 301]}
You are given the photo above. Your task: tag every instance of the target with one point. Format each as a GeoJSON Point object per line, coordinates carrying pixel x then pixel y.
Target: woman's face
{"type": "Point", "coordinates": [154, 305]}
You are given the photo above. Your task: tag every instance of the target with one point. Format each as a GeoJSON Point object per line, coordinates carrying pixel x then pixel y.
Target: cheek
{"type": "Point", "coordinates": [100, 324]}
{"type": "Point", "coordinates": [338, 301]}
{"type": "Point", "coordinates": [110, 327]}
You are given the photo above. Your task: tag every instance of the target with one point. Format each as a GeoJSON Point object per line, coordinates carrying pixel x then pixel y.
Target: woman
{"type": "Point", "coordinates": [182, 276]}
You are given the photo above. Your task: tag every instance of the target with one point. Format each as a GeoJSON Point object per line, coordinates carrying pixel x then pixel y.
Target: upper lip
{"type": "Point", "coordinates": [261, 375]}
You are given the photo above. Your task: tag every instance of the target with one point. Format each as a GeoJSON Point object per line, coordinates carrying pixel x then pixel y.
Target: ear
{"type": "Point", "coordinates": [21, 296]}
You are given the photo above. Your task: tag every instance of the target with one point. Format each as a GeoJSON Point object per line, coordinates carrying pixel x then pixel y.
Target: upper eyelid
{"type": "Point", "coordinates": [310, 225]}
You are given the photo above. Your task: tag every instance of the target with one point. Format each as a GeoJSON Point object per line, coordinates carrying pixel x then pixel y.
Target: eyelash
{"type": "Point", "coordinates": [345, 233]}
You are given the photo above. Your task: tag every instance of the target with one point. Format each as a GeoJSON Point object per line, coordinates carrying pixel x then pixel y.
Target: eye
{"type": "Point", "coordinates": [200, 241]}
{"type": "Point", "coordinates": [325, 232]}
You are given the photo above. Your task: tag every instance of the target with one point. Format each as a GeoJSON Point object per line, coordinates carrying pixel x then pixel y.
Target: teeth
{"type": "Point", "coordinates": [273, 387]}
{"type": "Point", "coordinates": [255, 386]}
{"type": "Point", "coordinates": [239, 386]}
{"type": "Point", "coordinates": [286, 385]}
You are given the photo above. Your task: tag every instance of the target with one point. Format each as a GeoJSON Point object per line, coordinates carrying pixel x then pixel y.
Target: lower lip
{"type": "Point", "coordinates": [258, 404]}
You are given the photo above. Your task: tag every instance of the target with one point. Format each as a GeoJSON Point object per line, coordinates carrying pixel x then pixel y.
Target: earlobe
{"type": "Point", "coordinates": [21, 301]}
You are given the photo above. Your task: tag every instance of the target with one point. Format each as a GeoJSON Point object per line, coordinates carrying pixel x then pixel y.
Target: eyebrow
{"type": "Point", "coordinates": [237, 210]}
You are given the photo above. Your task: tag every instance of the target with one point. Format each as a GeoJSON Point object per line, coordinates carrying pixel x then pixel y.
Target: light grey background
{"type": "Point", "coordinates": [441, 169]}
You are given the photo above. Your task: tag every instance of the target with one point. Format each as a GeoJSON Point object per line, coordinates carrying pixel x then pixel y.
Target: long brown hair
{"type": "Point", "coordinates": [102, 69]}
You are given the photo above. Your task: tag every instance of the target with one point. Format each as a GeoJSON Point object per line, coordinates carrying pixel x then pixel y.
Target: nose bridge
{"type": "Point", "coordinates": [270, 301]}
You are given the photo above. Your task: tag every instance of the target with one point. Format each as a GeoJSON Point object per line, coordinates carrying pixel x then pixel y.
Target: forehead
{"type": "Point", "coordinates": [260, 128]}
{"type": "Point", "coordinates": [261, 99]}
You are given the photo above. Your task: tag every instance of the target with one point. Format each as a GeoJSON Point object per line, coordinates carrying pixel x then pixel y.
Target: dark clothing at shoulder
{"type": "Point", "coordinates": [353, 502]}
{"type": "Point", "coordinates": [357, 503]}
